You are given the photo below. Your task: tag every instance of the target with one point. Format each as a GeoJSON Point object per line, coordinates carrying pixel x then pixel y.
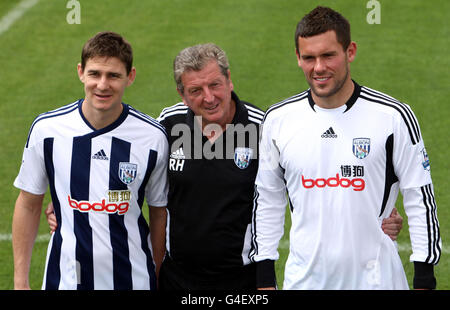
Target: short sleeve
{"type": "Point", "coordinates": [32, 176]}
{"type": "Point", "coordinates": [157, 186]}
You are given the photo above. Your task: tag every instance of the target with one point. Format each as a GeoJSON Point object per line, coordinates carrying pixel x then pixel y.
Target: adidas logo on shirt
{"type": "Point", "coordinates": [100, 155]}
{"type": "Point", "coordinates": [176, 160]}
{"type": "Point", "coordinates": [329, 133]}
{"type": "Point", "coordinates": [178, 154]}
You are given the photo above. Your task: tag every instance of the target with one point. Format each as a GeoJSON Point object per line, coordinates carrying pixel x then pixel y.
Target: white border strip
{"type": "Point", "coordinates": [16, 13]}
{"type": "Point", "coordinates": [39, 238]}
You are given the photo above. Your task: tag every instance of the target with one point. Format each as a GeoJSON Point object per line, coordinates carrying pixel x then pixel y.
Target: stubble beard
{"type": "Point", "coordinates": [337, 87]}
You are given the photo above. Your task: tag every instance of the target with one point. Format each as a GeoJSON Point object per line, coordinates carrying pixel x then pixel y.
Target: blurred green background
{"type": "Point", "coordinates": [405, 56]}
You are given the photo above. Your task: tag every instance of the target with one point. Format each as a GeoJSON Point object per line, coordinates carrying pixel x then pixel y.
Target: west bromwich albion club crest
{"type": "Point", "coordinates": [361, 147]}
{"type": "Point", "coordinates": [242, 157]}
{"type": "Point", "coordinates": [127, 172]}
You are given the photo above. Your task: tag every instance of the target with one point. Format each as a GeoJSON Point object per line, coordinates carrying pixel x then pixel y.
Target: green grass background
{"type": "Point", "coordinates": [405, 56]}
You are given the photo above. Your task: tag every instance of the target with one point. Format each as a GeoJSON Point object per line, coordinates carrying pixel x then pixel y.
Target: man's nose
{"type": "Point", "coordinates": [319, 66]}
{"type": "Point", "coordinates": [208, 95]}
{"type": "Point", "coordinates": [103, 83]}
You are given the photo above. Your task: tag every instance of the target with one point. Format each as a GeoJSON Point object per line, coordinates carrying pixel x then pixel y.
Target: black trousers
{"type": "Point", "coordinates": [174, 277]}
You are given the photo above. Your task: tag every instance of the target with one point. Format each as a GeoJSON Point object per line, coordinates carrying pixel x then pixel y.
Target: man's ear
{"type": "Point", "coordinates": [351, 51]}
{"type": "Point", "coordinates": [298, 57]}
{"type": "Point", "coordinates": [131, 76]}
{"type": "Point", "coordinates": [229, 80]}
{"type": "Point", "coordinates": [182, 96]}
{"type": "Point", "coordinates": [80, 72]}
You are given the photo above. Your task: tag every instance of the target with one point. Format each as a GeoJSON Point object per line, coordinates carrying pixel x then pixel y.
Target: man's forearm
{"type": "Point", "coordinates": [24, 230]}
{"type": "Point", "coordinates": [158, 217]}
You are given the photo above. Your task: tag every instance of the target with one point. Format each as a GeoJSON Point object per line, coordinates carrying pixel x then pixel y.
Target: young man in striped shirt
{"type": "Point", "coordinates": [341, 152]}
{"type": "Point", "coordinates": [100, 158]}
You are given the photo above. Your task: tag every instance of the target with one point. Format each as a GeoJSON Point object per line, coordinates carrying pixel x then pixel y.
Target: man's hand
{"type": "Point", "coordinates": [51, 218]}
{"type": "Point", "coordinates": [392, 225]}
{"type": "Point", "coordinates": [266, 288]}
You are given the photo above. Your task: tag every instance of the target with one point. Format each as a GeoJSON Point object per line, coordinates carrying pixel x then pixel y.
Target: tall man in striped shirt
{"type": "Point", "coordinates": [100, 158]}
{"type": "Point", "coordinates": [341, 152]}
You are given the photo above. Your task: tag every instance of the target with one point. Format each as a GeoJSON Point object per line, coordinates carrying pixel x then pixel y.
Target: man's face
{"type": "Point", "coordinates": [208, 94]}
{"type": "Point", "coordinates": [325, 63]}
{"type": "Point", "coordinates": [105, 80]}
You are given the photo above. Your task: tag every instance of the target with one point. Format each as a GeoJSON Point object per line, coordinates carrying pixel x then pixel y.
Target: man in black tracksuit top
{"type": "Point", "coordinates": [211, 179]}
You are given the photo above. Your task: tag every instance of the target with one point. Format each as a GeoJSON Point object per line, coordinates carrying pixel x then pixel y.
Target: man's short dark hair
{"type": "Point", "coordinates": [108, 44]}
{"type": "Point", "coordinates": [321, 20]}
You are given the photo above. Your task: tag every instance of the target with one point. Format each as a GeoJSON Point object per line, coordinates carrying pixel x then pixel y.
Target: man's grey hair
{"type": "Point", "coordinates": [196, 58]}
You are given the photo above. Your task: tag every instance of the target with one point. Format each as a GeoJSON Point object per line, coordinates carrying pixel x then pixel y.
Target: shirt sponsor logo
{"type": "Point", "coordinates": [102, 207]}
{"type": "Point", "coordinates": [358, 184]}
{"type": "Point", "coordinates": [127, 172]}
{"type": "Point", "coordinates": [361, 147]}
{"type": "Point", "coordinates": [242, 157]}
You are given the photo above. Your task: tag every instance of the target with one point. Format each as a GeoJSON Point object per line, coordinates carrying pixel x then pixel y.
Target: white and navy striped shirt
{"type": "Point", "coordinates": [98, 181]}
{"type": "Point", "coordinates": [342, 170]}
